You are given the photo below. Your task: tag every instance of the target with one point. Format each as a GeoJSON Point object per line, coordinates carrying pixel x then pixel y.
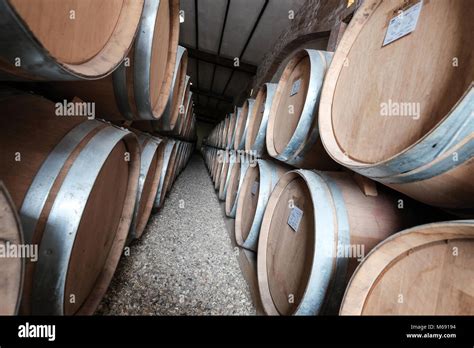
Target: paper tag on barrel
{"type": "Point", "coordinates": [403, 24]}
{"type": "Point", "coordinates": [296, 87]}
{"type": "Point", "coordinates": [295, 218]}
{"type": "Point", "coordinates": [254, 187]}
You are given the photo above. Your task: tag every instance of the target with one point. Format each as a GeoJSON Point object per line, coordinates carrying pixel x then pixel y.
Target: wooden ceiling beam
{"type": "Point", "coordinates": [220, 60]}
{"type": "Point", "coordinates": [209, 94]}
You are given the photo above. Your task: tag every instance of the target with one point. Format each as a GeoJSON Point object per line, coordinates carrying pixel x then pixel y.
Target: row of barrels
{"type": "Point", "coordinates": [363, 108]}
{"type": "Point", "coordinates": [300, 168]}
{"type": "Point", "coordinates": [123, 56]}
{"type": "Point", "coordinates": [73, 193]}
{"type": "Point", "coordinates": [328, 243]}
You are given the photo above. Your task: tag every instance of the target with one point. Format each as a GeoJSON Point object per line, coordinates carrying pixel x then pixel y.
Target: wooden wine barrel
{"type": "Point", "coordinates": [183, 108]}
{"type": "Point", "coordinates": [222, 175]}
{"type": "Point", "coordinates": [166, 171]}
{"type": "Point", "coordinates": [168, 183]}
{"type": "Point", "coordinates": [188, 120]}
{"type": "Point", "coordinates": [315, 229]}
{"type": "Point", "coordinates": [175, 165]}
{"type": "Point", "coordinates": [209, 161]}
{"type": "Point", "coordinates": [234, 186]}
{"type": "Point", "coordinates": [425, 270]}
{"type": "Point", "coordinates": [214, 135]}
{"type": "Point", "coordinates": [220, 158]}
{"type": "Point", "coordinates": [182, 146]}
{"type": "Point", "coordinates": [257, 128]}
{"type": "Point", "coordinates": [241, 124]}
{"type": "Point", "coordinates": [416, 134]}
{"type": "Point", "coordinates": [225, 175]}
{"type": "Point", "coordinates": [67, 39]}
{"type": "Point", "coordinates": [219, 134]}
{"type": "Point", "coordinates": [227, 130]}
{"type": "Point", "coordinates": [151, 165]}
{"type": "Point", "coordinates": [212, 163]}
{"type": "Point", "coordinates": [292, 131]}
{"type": "Point", "coordinates": [225, 127]}
{"type": "Point", "coordinates": [12, 269]}
{"type": "Point", "coordinates": [190, 115]}
{"type": "Point", "coordinates": [189, 152]}
{"type": "Point", "coordinates": [170, 115]}
{"type": "Point", "coordinates": [64, 173]}
{"type": "Point", "coordinates": [222, 134]}
{"type": "Point", "coordinates": [140, 88]}
{"type": "Point", "coordinates": [220, 163]}
{"type": "Point", "coordinates": [184, 119]}
{"type": "Point", "coordinates": [182, 161]}
{"type": "Point", "coordinates": [210, 138]}
{"type": "Point", "coordinates": [187, 155]}
{"type": "Point", "coordinates": [189, 125]}
{"type": "Point", "coordinates": [179, 149]}
{"type": "Point", "coordinates": [257, 185]}
{"type": "Point", "coordinates": [231, 132]}
{"type": "Point", "coordinates": [184, 157]}
{"type": "Point", "coordinates": [215, 164]}
{"type": "Point", "coordinates": [179, 159]}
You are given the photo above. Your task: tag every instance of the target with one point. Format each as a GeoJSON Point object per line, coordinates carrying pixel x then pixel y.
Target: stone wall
{"type": "Point", "coordinates": [317, 23]}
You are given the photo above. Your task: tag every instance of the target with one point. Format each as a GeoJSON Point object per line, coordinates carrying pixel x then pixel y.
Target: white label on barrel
{"type": "Point", "coordinates": [254, 187]}
{"type": "Point", "coordinates": [295, 218]}
{"type": "Point", "coordinates": [296, 87]}
{"type": "Point", "coordinates": [403, 24]}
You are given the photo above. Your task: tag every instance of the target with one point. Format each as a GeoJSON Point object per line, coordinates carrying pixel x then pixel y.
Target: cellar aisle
{"type": "Point", "coordinates": [185, 263]}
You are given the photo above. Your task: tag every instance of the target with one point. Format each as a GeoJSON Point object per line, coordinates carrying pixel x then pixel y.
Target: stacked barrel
{"type": "Point", "coordinates": [76, 190]}
{"type": "Point", "coordinates": [349, 175]}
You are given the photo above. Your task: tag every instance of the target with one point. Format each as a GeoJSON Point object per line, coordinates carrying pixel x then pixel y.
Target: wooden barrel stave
{"type": "Point", "coordinates": [257, 129]}
{"type": "Point", "coordinates": [12, 269]}
{"type": "Point", "coordinates": [292, 131]}
{"type": "Point", "coordinates": [50, 270]}
{"type": "Point", "coordinates": [225, 176]}
{"type": "Point", "coordinates": [343, 217]}
{"type": "Point", "coordinates": [257, 186]}
{"type": "Point", "coordinates": [151, 164]}
{"type": "Point", "coordinates": [64, 150]}
{"type": "Point", "coordinates": [168, 172]}
{"type": "Point", "coordinates": [19, 38]}
{"type": "Point", "coordinates": [231, 132]}
{"type": "Point", "coordinates": [170, 114]}
{"type": "Point", "coordinates": [234, 186]}
{"type": "Point", "coordinates": [417, 158]}
{"type": "Point", "coordinates": [404, 265]}
{"type": "Point", "coordinates": [165, 173]}
{"type": "Point", "coordinates": [138, 89]}
{"type": "Point", "coordinates": [242, 123]}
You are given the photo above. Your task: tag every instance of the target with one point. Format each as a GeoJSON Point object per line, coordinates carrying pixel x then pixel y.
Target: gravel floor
{"type": "Point", "coordinates": [184, 264]}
